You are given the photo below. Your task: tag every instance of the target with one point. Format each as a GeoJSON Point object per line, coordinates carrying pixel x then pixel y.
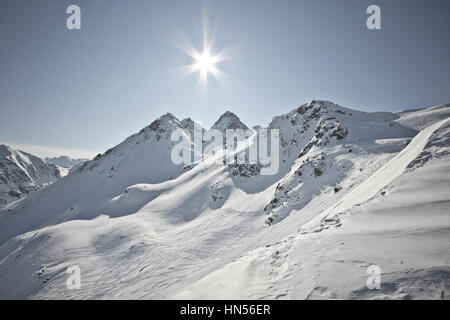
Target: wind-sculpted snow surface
{"type": "Point", "coordinates": [88, 190]}
{"type": "Point", "coordinates": [353, 189]}
{"type": "Point", "coordinates": [400, 223]}
{"type": "Point", "coordinates": [420, 119]}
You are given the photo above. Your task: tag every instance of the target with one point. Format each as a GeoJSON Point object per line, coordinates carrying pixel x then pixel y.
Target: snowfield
{"type": "Point", "coordinates": [353, 190]}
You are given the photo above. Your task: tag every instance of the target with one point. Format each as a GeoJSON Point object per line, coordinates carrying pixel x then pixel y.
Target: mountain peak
{"type": "Point", "coordinates": [3, 148]}
{"type": "Point", "coordinates": [4, 151]}
{"type": "Point", "coordinates": [229, 120]}
{"type": "Point", "coordinates": [165, 122]}
{"type": "Point", "coordinates": [187, 122]}
{"type": "Point", "coordinates": [166, 118]}
{"type": "Point", "coordinates": [168, 115]}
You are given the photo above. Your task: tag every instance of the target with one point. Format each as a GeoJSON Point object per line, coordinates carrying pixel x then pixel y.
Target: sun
{"type": "Point", "coordinates": [205, 62]}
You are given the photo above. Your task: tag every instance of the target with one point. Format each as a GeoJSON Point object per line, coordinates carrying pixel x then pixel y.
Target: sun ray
{"type": "Point", "coordinates": [205, 62]}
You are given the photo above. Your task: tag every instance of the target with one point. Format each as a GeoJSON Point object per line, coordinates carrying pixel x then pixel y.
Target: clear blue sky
{"type": "Point", "coordinates": [89, 89]}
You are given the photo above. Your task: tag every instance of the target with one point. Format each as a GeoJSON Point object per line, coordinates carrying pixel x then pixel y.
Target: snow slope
{"type": "Point", "coordinates": [420, 119]}
{"type": "Point", "coordinates": [353, 189]}
{"type": "Point", "coordinates": [85, 193]}
{"type": "Point", "coordinates": [397, 219]}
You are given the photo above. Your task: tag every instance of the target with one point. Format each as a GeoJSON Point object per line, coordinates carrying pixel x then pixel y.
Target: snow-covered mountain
{"type": "Point", "coordinates": [65, 161]}
{"type": "Point", "coordinates": [22, 173]}
{"type": "Point", "coordinates": [319, 142]}
{"type": "Point", "coordinates": [144, 157]}
{"type": "Point", "coordinates": [352, 190]}
{"type": "Point", "coordinates": [229, 120]}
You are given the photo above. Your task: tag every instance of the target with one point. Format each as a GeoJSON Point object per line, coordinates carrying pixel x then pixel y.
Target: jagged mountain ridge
{"type": "Point", "coordinates": [171, 233]}
{"type": "Point", "coordinates": [145, 157]}
{"type": "Point", "coordinates": [22, 173]}
{"type": "Point", "coordinates": [316, 138]}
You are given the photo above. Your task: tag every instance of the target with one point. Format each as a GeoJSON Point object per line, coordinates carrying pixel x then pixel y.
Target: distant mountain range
{"type": "Point", "coordinates": [65, 161]}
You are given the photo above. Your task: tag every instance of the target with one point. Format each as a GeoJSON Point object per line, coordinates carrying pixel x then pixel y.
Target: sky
{"type": "Point", "coordinates": [80, 92]}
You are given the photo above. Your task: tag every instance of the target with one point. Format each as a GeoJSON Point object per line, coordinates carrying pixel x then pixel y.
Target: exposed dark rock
{"type": "Point", "coordinates": [317, 172]}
